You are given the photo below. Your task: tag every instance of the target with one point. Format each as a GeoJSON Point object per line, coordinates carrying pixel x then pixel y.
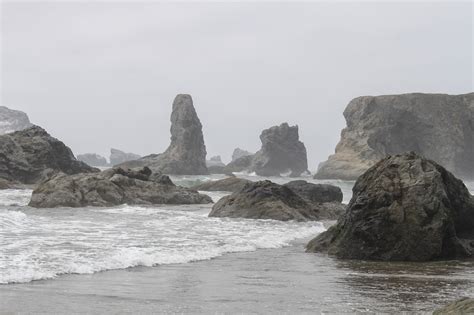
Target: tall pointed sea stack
{"type": "Point", "coordinates": [186, 154]}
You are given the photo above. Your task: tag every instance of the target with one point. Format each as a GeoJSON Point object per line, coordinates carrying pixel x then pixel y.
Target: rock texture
{"type": "Point", "coordinates": [12, 120]}
{"type": "Point", "coordinates": [227, 184]}
{"type": "Point", "coordinates": [238, 153]}
{"type": "Point", "coordinates": [93, 159]}
{"type": "Point", "coordinates": [461, 306]}
{"type": "Point", "coordinates": [113, 187]}
{"type": "Point", "coordinates": [118, 157]}
{"type": "Point", "coordinates": [267, 200]}
{"type": "Point", "coordinates": [438, 126]}
{"type": "Point", "coordinates": [281, 152]}
{"type": "Point", "coordinates": [32, 155]}
{"type": "Point", "coordinates": [404, 208]}
{"type": "Point", "coordinates": [316, 192]}
{"type": "Point", "coordinates": [186, 154]}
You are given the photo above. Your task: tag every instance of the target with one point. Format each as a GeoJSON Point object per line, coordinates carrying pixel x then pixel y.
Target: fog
{"type": "Point", "coordinates": [102, 75]}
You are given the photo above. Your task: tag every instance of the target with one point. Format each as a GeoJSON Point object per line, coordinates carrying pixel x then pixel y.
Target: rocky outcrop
{"type": "Point", "coordinates": [238, 153]}
{"type": "Point", "coordinates": [113, 187]}
{"type": "Point", "coordinates": [281, 152]}
{"type": "Point", "coordinates": [239, 165]}
{"type": "Point", "coordinates": [461, 306]}
{"type": "Point", "coordinates": [186, 154]}
{"type": "Point", "coordinates": [227, 184]}
{"type": "Point", "coordinates": [32, 155]}
{"type": "Point", "coordinates": [318, 193]}
{"type": "Point", "coordinates": [267, 200]}
{"type": "Point", "coordinates": [438, 126]}
{"type": "Point", "coordinates": [215, 161]}
{"type": "Point", "coordinates": [93, 159]}
{"type": "Point", "coordinates": [12, 120]}
{"type": "Point", "coordinates": [404, 208]}
{"type": "Point", "coordinates": [118, 157]}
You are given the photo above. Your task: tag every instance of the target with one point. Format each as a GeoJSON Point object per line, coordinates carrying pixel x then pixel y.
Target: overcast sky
{"type": "Point", "coordinates": [102, 75]}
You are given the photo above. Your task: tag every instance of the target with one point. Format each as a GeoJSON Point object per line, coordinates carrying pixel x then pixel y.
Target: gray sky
{"type": "Point", "coordinates": [101, 75]}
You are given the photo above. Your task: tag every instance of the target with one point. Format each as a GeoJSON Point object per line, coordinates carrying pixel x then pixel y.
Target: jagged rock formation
{"type": "Point", "coordinates": [238, 153]}
{"type": "Point", "coordinates": [118, 157]}
{"type": "Point", "coordinates": [239, 165]}
{"type": "Point", "coordinates": [186, 154]}
{"type": "Point", "coordinates": [438, 126]}
{"type": "Point", "coordinates": [227, 184]}
{"type": "Point", "coordinates": [32, 155]}
{"type": "Point", "coordinates": [281, 152]}
{"type": "Point", "coordinates": [12, 120]}
{"type": "Point", "coordinates": [404, 208]}
{"type": "Point", "coordinates": [267, 200]}
{"type": "Point", "coordinates": [113, 187]}
{"type": "Point", "coordinates": [93, 159]}
{"type": "Point", "coordinates": [461, 306]}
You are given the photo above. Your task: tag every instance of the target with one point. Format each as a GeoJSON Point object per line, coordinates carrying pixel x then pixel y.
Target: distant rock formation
{"type": "Point", "coordinates": [93, 159]}
{"type": "Point", "coordinates": [404, 208]}
{"type": "Point", "coordinates": [186, 154]}
{"type": "Point", "coordinates": [12, 120]}
{"type": "Point", "coordinates": [215, 161]}
{"type": "Point", "coordinates": [267, 200]}
{"type": "Point", "coordinates": [281, 152]}
{"type": "Point", "coordinates": [32, 155]}
{"type": "Point", "coordinates": [118, 157]}
{"type": "Point", "coordinates": [438, 126]}
{"type": "Point", "coordinates": [462, 306]}
{"type": "Point", "coordinates": [238, 153]}
{"type": "Point", "coordinates": [227, 184]}
{"type": "Point", "coordinates": [113, 187]}
{"type": "Point", "coordinates": [239, 165]}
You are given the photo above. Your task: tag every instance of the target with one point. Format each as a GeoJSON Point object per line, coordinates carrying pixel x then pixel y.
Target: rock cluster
{"type": "Point", "coordinates": [12, 120]}
{"type": "Point", "coordinates": [93, 159]}
{"type": "Point", "coordinates": [32, 155]}
{"type": "Point", "coordinates": [404, 208]}
{"type": "Point", "coordinates": [238, 153]}
{"type": "Point", "coordinates": [113, 187]}
{"type": "Point", "coordinates": [118, 157]}
{"type": "Point", "coordinates": [438, 126]}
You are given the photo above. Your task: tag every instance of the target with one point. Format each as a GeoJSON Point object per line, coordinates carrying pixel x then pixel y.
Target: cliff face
{"type": "Point", "coordinates": [12, 120]}
{"type": "Point", "coordinates": [437, 126]}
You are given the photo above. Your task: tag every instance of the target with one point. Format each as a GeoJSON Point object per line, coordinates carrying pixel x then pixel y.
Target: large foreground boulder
{"type": "Point", "coordinates": [186, 155]}
{"type": "Point", "coordinates": [281, 152]}
{"type": "Point", "coordinates": [461, 306]}
{"type": "Point", "coordinates": [438, 126]}
{"type": "Point", "coordinates": [267, 200]}
{"type": "Point", "coordinates": [12, 120]}
{"type": "Point", "coordinates": [405, 208]}
{"type": "Point", "coordinates": [118, 157]}
{"type": "Point", "coordinates": [113, 187]}
{"type": "Point", "coordinates": [32, 155]}
{"type": "Point", "coordinates": [227, 184]}
{"type": "Point", "coordinates": [93, 159]}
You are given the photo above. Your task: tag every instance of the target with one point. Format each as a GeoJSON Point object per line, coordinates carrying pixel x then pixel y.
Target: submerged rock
{"type": "Point", "coordinates": [238, 153]}
{"type": "Point", "coordinates": [92, 159]}
{"type": "Point", "coordinates": [461, 306]}
{"type": "Point", "coordinates": [111, 188]}
{"type": "Point", "coordinates": [438, 126]}
{"type": "Point", "coordinates": [118, 157]}
{"type": "Point", "coordinates": [186, 154]}
{"type": "Point", "coordinates": [226, 184]}
{"type": "Point", "coordinates": [12, 120]}
{"type": "Point", "coordinates": [281, 152]}
{"type": "Point", "coordinates": [267, 200]}
{"type": "Point", "coordinates": [405, 208]}
{"type": "Point", "coordinates": [32, 155]}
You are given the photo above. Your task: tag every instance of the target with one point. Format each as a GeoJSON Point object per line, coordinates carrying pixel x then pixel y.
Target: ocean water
{"type": "Point", "coordinates": [257, 263]}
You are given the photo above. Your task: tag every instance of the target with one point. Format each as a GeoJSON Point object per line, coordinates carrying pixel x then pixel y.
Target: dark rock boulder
{"type": "Point", "coordinates": [438, 126]}
{"type": "Point", "coordinates": [267, 200]}
{"type": "Point", "coordinates": [113, 187]}
{"type": "Point", "coordinates": [93, 159]}
{"type": "Point", "coordinates": [32, 155]}
{"type": "Point", "coordinates": [239, 165]}
{"type": "Point", "coordinates": [461, 306]}
{"type": "Point", "coordinates": [238, 153]}
{"type": "Point", "coordinates": [118, 157]}
{"type": "Point", "coordinates": [227, 184]}
{"type": "Point", "coordinates": [186, 155]}
{"type": "Point", "coordinates": [404, 208]}
{"type": "Point", "coordinates": [12, 120]}
{"type": "Point", "coordinates": [316, 192]}
{"type": "Point", "coordinates": [281, 152]}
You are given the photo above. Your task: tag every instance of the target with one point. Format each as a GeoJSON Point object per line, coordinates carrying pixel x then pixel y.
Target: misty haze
{"type": "Point", "coordinates": [243, 157]}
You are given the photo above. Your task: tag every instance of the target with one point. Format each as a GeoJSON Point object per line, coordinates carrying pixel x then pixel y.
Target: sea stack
{"type": "Point", "coordinates": [281, 152]}
{"type": "Point", "coordinates": [12, 120]}
{"type": "Point", "coordinates": [117, 157]}
{"type": "Point", "coordinates": [404, 208]}
{"type": "Point", "coordinates": [186, 155]}
{"type": "Point", "coordinates": [438, 126]}
{"type": "Point", "coordinates": [93, 159]}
